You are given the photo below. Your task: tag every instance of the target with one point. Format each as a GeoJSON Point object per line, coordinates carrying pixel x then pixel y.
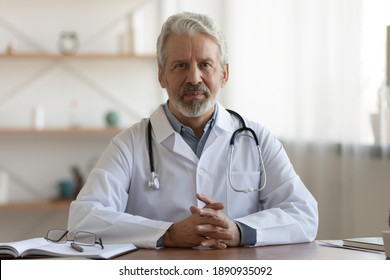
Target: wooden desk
{"type": "Point", "coordinates": [304, 251]}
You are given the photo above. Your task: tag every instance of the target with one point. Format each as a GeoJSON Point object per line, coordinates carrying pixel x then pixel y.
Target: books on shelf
{"type": "Point", "coordinates": [40, 247]}
{"type": "Point", "coordinates": [367, 243]}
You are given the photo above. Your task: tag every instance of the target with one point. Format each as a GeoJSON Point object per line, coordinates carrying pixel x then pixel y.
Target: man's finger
{"type": "Point", "coordinates": [215, 206]}
{"type": "Point", "coordinates": [213, 243]}
{"type": "Point", "coordinates": [205, 199]}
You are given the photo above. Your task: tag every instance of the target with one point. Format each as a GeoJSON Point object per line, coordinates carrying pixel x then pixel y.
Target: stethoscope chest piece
{"type": "Point", "coordinates": [154, 183]}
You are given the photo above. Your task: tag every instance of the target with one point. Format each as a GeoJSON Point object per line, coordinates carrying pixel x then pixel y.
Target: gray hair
{"type": "Point", "coordinates": [190, 23]}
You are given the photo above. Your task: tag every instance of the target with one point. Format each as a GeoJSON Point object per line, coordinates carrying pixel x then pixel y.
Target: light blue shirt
{"type": "Point", "coordinates": [188, 134]}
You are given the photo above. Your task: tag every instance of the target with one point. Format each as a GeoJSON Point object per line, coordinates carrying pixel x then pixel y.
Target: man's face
{"type": "Point", "coordinates": [192, 74]}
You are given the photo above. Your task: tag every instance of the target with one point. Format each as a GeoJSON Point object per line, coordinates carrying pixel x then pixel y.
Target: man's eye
{"type": "Point", "coordinates": [179, 65]}
{"type": "Point", "coordinates": [206, 65]}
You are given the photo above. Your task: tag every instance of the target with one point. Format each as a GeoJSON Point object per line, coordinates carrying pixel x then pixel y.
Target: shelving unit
{"type": "Point", "coordinates": [99, 76]}
{"type": "Point", "coordinates": [104, 74]}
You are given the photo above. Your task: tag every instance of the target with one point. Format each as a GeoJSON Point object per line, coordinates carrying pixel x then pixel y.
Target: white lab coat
{"type": "Point", "coordinates": [117, 204]}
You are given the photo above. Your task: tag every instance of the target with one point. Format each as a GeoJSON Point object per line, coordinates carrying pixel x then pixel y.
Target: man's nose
{"type": "Point", "coordinates": [194, 75]}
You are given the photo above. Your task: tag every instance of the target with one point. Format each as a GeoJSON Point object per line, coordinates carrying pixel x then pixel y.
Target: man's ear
{"type": "Point", "coordinates": [161, 78]}
{"type": "Point", "coordinates": [225, 77]}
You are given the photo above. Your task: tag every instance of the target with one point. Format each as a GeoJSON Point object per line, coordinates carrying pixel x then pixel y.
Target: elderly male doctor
{"type": "Point", "coordinates": [201, 199]}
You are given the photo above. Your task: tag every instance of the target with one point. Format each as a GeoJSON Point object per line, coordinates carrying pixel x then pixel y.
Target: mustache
{"type": "Point", "coordinates": [198, 87]}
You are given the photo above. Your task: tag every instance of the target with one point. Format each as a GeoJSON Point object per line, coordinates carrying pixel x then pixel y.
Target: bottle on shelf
{"type": "Point", "coordinates": [38, 117]}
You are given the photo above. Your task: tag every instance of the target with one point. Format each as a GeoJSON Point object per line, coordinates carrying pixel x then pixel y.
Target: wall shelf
{"type": "Point", "coordinates": [109, 132]}
{"type": "Point", "coordinates": [60, 204]}
{"type": "Point", "coordinates": [78, 56]}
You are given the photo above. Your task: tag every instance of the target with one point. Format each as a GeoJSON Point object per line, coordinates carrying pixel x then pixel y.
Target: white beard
{"type": "Point", "coordinates": [196, 108]}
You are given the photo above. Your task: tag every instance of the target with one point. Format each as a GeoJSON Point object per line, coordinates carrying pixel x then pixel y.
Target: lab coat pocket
{"type": "Point", "coordinates": [240, 204]}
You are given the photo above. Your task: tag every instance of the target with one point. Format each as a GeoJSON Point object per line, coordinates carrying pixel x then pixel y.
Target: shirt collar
{"type": "Point", "coordinates": [177, 125]}
{"type": "Point", "coordinates": [163, 128]}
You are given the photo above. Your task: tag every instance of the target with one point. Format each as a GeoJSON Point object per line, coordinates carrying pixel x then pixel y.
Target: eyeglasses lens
{"type": "Point", "coordinates": [59, 236]}
{"type": "Point", "coordinates": [85, 238]}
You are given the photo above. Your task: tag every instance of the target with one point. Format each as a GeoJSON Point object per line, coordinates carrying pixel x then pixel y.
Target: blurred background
{"type": "Point", "coordinates": [315, 72]}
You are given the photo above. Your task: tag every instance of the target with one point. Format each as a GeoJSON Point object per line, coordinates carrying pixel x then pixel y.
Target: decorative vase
{"type": "Point", "coordinates": [112, 119]}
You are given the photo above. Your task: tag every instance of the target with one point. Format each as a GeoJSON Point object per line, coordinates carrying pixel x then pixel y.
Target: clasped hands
{"type": "Point", "coordinates": [207, 227]}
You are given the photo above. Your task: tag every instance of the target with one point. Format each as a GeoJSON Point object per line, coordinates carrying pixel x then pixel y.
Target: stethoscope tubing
{"type": "Point", "coordinates": [154, 181]}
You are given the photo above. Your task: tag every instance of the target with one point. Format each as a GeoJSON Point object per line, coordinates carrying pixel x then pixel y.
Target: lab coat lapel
{"type": "Point", "coordinates": [182, 148]}
{"type": "Point", "coordinates": [166, 136]}
{"type": "Point", "coordinates": [223, 125]}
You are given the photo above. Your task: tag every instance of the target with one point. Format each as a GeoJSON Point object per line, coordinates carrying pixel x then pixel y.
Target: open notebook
{"type": "Point", "coordinates": [40, 247]}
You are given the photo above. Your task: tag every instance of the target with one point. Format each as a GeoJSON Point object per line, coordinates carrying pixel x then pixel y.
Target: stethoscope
{"type": "Point", "coordinates": [154, 182]}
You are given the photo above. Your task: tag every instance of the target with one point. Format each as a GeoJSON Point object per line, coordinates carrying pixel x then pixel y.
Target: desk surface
{"type": "Point", "coordinates": [304, 251]}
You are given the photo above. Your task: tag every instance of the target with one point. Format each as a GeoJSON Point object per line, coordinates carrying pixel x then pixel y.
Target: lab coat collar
{"type": "Point", "coordinates": [161, 126]}
{"type": "Point", "coordinates": [163, 129]}
{"type": "Point", "coordinates": [224, 120]}
{"type": "Point", "coordinates": [166, 135]}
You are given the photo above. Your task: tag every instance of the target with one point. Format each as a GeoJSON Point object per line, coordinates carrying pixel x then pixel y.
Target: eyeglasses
{"type": "Point", "coordinates": [81, 238]}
